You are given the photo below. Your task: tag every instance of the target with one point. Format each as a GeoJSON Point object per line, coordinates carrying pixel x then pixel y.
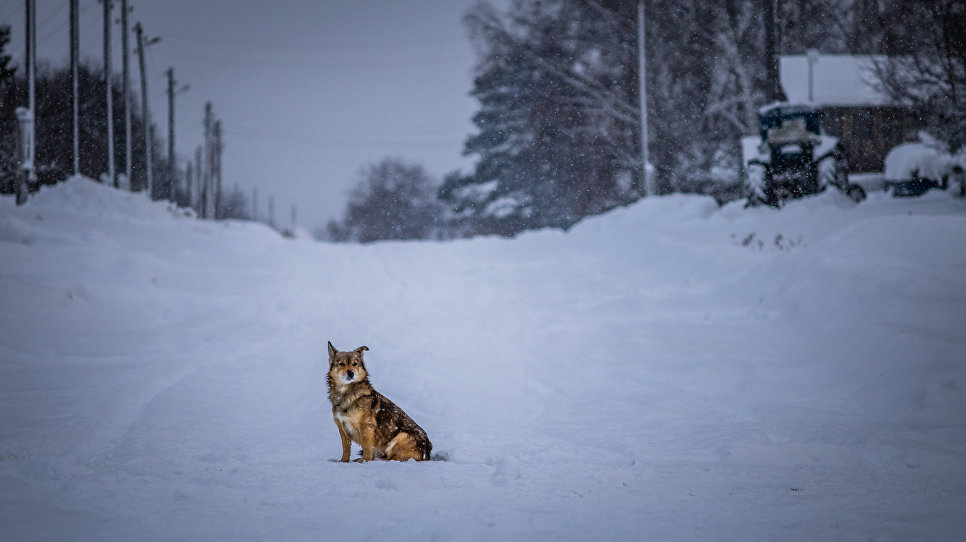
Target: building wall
{"type": "Point", "coordinates": [869, 132]}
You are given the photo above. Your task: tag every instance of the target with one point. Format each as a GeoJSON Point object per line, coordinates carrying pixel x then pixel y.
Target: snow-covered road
{"type": "Point", "coordinates": [670, 371]}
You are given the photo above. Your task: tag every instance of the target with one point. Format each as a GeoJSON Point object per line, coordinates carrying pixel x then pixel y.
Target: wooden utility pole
{"type": "Point", "coordinates": [648, 184]}
{"type": "Point", "coordinates": [109, 99]}
{"type": "Point", "coordinates": [31, 61]}
{"type": "Point", "coordinates": [189, 184]}
{"type": "Point", "coordinates": [216, 167]}
{"type": "Point", "coordinates": [199, 182]}
{"type": "Point", "coordinates": [172, 171]}
{"type": "Point", "coordinates": [75, 96]}
{"type": "Point", "coordinates": [209, 211]}
{"type": "Point", "coordinates": [255, 204]}
{"type": "Point", "coordinates": [126, 93]}
{"type": "Point", "coordinates": [25, 123]}
{"type": "Point", "coordinates": [271, 211]}
{"type": "Point", "coordinates": [172, 166]}
{"type": "Point", "coordinates": [145, 112]}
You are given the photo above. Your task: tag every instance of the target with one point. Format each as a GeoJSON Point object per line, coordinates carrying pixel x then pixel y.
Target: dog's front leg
{"type": "Point", "coordinates": [368, 442]}
{"type": "Point", "coordinates": [346, 443]}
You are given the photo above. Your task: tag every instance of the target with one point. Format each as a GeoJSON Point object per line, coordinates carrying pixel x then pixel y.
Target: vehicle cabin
{"type": "Point", "coordinates": [852, 109]}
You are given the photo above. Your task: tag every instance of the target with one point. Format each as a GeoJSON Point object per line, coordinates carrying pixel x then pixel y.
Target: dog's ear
{"type": "Point", "coordinates": [360, 350]}
{"type": "Point", "coordinates": [332, 350]}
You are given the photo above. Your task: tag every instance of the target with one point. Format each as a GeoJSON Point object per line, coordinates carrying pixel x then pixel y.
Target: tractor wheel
{"type": "Point", "coordinates": [855, 192]}
{"type": "Point", "coordinates": [777, 197]}
{"type": "Point", "coordinates": [833, 170]}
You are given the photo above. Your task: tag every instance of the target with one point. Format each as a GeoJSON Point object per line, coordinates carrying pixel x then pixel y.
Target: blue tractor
{"type": "Point", "coordinates": [792, 157]}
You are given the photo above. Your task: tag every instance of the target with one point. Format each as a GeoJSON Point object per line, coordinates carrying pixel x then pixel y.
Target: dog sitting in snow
{"type": "Point", "coordinates": [365, 416]}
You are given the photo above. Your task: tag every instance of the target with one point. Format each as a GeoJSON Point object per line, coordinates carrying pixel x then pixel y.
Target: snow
{"type": "Point", "coordinates": [837, 79]}
{"type": "Point", "coordinates": [918, 160]}
{"type": "Point", "coordinates": [752, 149]}
{"type": "Point", "coordinates": [502, 207]}
{"type": "Point", "coordinates": [668, 371]}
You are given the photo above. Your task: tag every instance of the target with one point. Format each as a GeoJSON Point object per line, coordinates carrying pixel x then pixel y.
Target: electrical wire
{"type": "Point", "coordinates": [315, 46]}
{"type": "Point", "coordinates": [55, 31]}
{"type": "Point", "coordinates": [398, 125]}
{"type": "Point", "coordinates": [314, 66]}
{"type": "Point", "coordinates": [9, 14]}
{"type": "Point", "coordinates": [50, 16]}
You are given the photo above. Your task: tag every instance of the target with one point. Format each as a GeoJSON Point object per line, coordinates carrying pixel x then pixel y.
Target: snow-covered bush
{"type": "Point", "coordinates": [926, 159]}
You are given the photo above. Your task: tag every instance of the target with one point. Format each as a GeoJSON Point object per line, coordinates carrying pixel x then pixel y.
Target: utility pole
{"type": "Point", "coordinates": [216, 167]}
{"type": "Point", "coordinates": [126, 93]}
{"type": "Point", "coordinates": [271, 211]}
{"type": "Point", "coordinates": [812, 56]}
{"type": "Point", "coordinates": [199, 184]}
{"type": "Point", "coordinates": [171, 166]}
{"type": "Point", "coordinates": [25, 122]}
{"type": "Point", "coordinates": [648, 183]}
{"type": "Point", "coordinates": [31, 50]}
{"type": "Point", "coordinates": [188, 183]}
{"type": "Point", "coordinates": [75, 96]}
{"type": "Point", "coordinates": [107, 84]}
{"type": "Point", "coordinates": [145, 115]}
{"type": "Point", "coordinates": [172, 169]}
{"type": "Point", "coordinates": [255, 204]}
{"type": "Point", "coordinates": [209, 211]}
{"type": "Point", "coordinates": [145, 110]}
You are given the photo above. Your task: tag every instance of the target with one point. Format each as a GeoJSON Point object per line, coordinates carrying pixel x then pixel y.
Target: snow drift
{"type": "Point", "coordinates": [669, 371]}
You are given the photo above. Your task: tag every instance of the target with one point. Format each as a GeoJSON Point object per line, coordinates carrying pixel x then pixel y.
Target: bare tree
{"type": "Point", "coordinates": [392, 200]}
{"type": "Point", "coordinates": [926, 69]}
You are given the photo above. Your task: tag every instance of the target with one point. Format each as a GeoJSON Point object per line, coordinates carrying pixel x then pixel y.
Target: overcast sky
{"type": "Point", "coordinates": [308, 91]}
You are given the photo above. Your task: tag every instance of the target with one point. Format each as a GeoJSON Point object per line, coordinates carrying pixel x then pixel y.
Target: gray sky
{"type": "Point", "coordinates": [308, 91]}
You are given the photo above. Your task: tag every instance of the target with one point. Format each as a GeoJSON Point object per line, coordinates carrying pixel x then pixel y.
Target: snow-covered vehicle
{"type": "Point", "coordinates": [793, 157]}
{"type": "Point", "coordinates": [911, 169]}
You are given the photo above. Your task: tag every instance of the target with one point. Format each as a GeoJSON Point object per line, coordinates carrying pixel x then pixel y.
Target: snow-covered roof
{"type": "Point", "coordinates": [837, 80]}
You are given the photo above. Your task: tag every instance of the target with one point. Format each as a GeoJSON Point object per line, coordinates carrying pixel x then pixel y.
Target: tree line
{"type": "Point", "coordinates": [558, 125]}
{"type": "Point", "coordinates": [54, 138]}
{"type": "Point", "coordinates": [557, 130]}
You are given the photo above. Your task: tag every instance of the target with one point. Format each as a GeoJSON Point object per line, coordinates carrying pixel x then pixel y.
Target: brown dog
{"type": "Point", "coordinates": [364, 415]}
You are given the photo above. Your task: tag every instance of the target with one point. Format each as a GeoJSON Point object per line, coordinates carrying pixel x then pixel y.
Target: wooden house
{"type": "Point", "coordinates": [843, 87]}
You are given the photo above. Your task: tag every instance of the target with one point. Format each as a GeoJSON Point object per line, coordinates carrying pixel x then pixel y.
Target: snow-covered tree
{"type": "Point", "coordinates": [392, 200]}
{"type": "Point", "coordinates": [556, 135]}
{"type": "Point", "coordinates": [559, 127]}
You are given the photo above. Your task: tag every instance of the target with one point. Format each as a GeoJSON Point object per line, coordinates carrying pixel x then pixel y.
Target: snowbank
{"type": "Point", "coordinates": [668, 371]}
{"type": "Point", "coordinates": [918, 161]}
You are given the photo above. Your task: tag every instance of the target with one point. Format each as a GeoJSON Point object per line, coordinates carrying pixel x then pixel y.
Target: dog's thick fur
{"type": "Point", "coordinates": [365, 416]}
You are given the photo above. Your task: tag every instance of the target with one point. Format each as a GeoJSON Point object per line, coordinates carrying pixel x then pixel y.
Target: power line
{"type": "Point", "coordinates": [398, 125]}
{"type": "Point", "coordinates": [51, 15]}
{"type": "Point", "coordinates": [314, 46]}
{"type": "Point", "coordinates": [55, 31]}
{"type": "Point", "coordinates": [89, 23]}
{"type": "Point", "coordinates": [215, 59]}
{"type": "Point", "coordinates": [353, 129]}
{"type": "Point", "coordinates": [287, 139]}
{"type": "Point", "coordinates": [9, 15]}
